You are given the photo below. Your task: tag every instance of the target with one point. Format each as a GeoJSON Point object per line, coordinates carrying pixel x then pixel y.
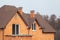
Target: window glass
{"type": "Point", "coordinates": [15, 29]}
{"type": "Point", "coordinates": [33, 26]}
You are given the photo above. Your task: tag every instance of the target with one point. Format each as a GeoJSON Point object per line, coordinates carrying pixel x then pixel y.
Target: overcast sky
{"type": "Point", "coordinates": [45, 7]}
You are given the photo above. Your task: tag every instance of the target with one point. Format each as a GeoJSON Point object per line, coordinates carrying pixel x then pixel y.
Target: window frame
{"type": "Point", "coordinates": [15, 29]}
{"type": "Point", "coordinates": [34, 27]}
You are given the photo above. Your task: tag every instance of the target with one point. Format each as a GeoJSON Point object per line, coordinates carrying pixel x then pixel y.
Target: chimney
{"type": "Point", "coordinates": [32, 13]}
{"type": "Point", "coordinates": [20, 10]}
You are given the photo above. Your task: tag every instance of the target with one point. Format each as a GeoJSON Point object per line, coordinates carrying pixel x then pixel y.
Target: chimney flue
{"type": "Point", "coordinates": [32, 13]}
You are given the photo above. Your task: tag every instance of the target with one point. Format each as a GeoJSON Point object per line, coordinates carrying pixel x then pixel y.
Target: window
{"type": "Point", "coordinates": [15, 29]}
{"type": "Point", "coordinates": [34, 26]}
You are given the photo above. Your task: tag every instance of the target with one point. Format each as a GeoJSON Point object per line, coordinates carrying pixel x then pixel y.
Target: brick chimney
{"type": "Point", "coordinates": [32, 13]}
{"type": "Point", "coordinates": [20, 10]}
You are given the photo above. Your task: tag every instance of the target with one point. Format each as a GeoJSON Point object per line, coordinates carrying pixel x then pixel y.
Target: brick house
{"type": "Point", "coordinates": [17, 25]}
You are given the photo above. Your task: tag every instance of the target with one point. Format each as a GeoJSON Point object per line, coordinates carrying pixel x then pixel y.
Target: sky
{"type": "Point", "coordinates": [44, 7]}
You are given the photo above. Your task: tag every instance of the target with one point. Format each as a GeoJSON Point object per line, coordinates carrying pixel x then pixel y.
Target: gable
{"type": "Point", "coordinates": [38, 34]}
{"type": "Point", "coordinates": [16, 19]}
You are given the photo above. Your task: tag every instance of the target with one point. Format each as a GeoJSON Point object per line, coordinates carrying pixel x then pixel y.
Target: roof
{"type": "Point", "coordinates": [7, 12]}
{"type": "Point", "coordinates": [41, 22]}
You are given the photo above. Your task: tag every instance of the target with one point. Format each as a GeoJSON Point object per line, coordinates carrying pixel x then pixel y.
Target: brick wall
{"type": "Point", "coordinates": [10, 37]}
{"type": "Point", "coordinates": [1, 34]}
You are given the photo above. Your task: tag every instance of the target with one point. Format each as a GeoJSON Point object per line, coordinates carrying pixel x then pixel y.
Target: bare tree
{"type": "Point", "coordinates": [52, 21]}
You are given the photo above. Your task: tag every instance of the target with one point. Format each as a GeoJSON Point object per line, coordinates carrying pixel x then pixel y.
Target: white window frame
{"type": "Point", "coordinates": [15, 29]}
{"type": "Point", "coordinates": [33, 27]}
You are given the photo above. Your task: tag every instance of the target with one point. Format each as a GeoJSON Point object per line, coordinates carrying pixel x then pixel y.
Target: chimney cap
{"type": "Point", "coordinates": [20, 8]}
{"type": "Point", "coordinates": [32, 11]}
{"type": "Point", "coordinates": [38, 13]}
